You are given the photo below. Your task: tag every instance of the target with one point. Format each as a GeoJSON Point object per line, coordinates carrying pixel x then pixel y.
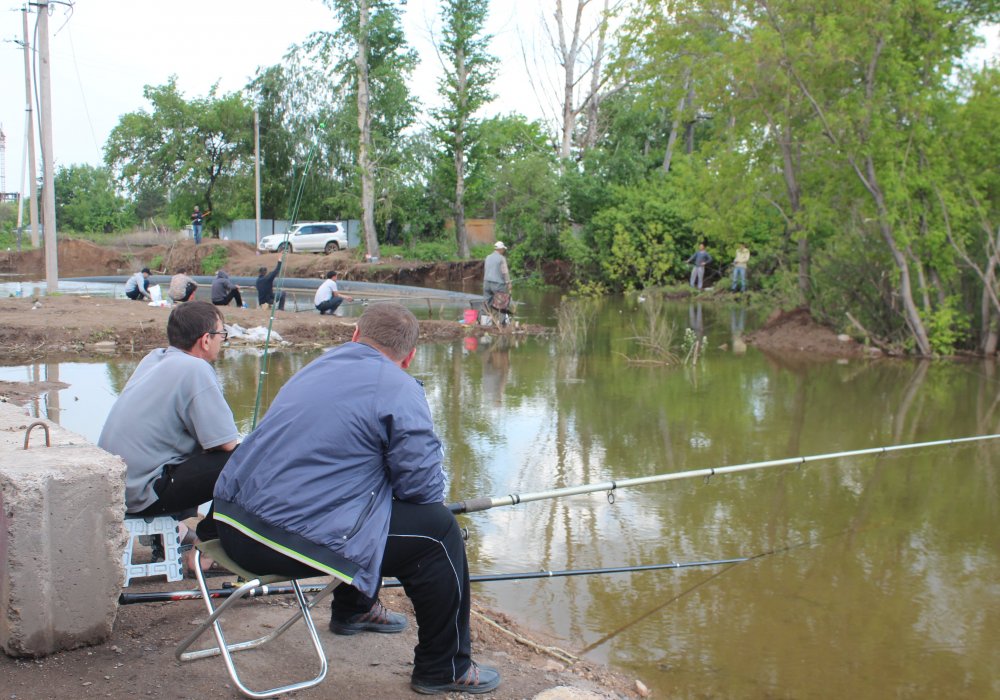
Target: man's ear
{"type": "Point", "coordinates": [408, 359]}
{"type": "Point", "coordinates": [356, 335]}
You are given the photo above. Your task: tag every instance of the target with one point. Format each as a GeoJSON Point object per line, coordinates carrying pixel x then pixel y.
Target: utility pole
{"type": "Point", "coordinates": [30, 128]}
{"type": "Point", "coordinates": [256, 173]}
{"type": "Point", "coordinates": [48, 168]}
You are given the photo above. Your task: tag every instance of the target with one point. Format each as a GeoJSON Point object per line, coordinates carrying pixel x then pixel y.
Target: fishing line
{"type": "Point", "coordinates": [228, 588]}
{"type": "Point", "coordinates": [736, 562]}
{"type": "Point", "coordinates": [281, 277]}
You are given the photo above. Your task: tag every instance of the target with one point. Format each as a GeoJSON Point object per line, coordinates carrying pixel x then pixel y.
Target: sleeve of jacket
{"type": "Point", "coordinates": [413, 450]}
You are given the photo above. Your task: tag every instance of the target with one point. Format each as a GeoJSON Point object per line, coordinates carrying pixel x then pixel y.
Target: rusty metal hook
{"type": "Point", "coordinates": [45, 427]}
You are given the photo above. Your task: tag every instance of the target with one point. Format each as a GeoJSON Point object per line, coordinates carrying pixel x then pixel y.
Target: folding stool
{"type": "Point", "coordinates": [213, 549]}
{"type": "Point", "coordinates": [165, 526]}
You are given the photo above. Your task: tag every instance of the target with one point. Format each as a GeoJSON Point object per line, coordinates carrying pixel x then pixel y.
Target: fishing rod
{"type": "Point", "coordinates": [485, 503]}
{"type": "Point", "coordinates": [281, 277]}
{"type": "Point", "coordinates": [228, 588]}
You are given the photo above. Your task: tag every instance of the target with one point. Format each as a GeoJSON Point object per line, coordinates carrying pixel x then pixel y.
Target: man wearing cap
{"type": "Point", "coordinates": [137, 286]}
{"type": "Point", "coordinates": [496, 276]}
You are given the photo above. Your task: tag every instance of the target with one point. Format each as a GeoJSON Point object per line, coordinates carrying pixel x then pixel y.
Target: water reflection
{"type": "Point", "coordinates": [872, 577]}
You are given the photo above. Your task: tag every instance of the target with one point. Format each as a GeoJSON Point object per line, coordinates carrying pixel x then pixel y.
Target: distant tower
{"type": "Point", "coordinates": [3, 162]}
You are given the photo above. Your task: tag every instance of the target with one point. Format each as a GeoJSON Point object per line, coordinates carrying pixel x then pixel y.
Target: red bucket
{"type": "Point", "coordinates": [471, 316]}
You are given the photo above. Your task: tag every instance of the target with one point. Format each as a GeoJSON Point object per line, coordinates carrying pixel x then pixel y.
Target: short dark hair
{"type": "Point", "coordinates": [190, 321]}
{"type": "Point", "coordinates": [261, 270]}
{"type": "Point", "coordinates": [389, 327]}
{"type": "Point", "coordinates": [146, 270]}
{"type": "Point", "coordinates": [331, 274]}
{"type": "Point", "coordinates": [182, 270]}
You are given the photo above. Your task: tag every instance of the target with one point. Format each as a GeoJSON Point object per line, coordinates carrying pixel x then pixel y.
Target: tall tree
{"type": "Point", "coordinates": [469, 70]}
{"type": "Point", "coordinates": [182, 149]}
{"type": "Point", "coordinates": [376, 64]}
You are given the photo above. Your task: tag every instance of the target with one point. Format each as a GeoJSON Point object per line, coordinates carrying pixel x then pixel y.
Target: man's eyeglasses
{"type": "Point", "coordinates": [224, 334]}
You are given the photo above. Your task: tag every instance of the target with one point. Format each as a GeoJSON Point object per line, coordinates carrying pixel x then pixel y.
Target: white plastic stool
{"type": "Point", "coordinates": [161, 525]}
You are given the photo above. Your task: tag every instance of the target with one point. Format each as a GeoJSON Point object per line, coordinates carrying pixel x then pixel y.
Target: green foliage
{"type": "Point", "coordinates": [638, 241]}
{"type": "Point", "coordinates": [214, 261]}
{"type": "Point", "coordinates": [156, 263]}
{"type": "Point", "coordinates": [438, 250]}
{"type": "Point", "coordinates": [193, 150]}
{"type": "Point", "coordinates": [86, 201]}
{"type": "Point", "coordinates": [946, 326]}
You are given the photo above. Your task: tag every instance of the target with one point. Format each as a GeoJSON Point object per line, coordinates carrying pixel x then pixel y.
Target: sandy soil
{"type": "Point", "coordinates": [138, 660]}
{"type": "Point", "coordinates": [796, 332]}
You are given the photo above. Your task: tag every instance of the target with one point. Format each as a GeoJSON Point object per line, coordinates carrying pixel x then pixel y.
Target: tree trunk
{"type": "Point", "coordinates": [668, 155]}
{"type": "Point", "coordinates": [461, 237]}
{"type": "Point", "coordinates": [594, 100]}
{"type": "Point", "coordinates": [910, 311]}
{"type": "Point", "coordinates": [567, 57]}
{"type": "Point", "coordinates": [365, 135]}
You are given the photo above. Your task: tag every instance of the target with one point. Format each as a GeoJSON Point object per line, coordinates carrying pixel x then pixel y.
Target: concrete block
{"type": "Point", "coordinates": [61, 538]}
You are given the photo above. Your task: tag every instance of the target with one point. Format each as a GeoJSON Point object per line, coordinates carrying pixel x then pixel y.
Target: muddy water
{"type": "Point", "coordinates": [871, 577]}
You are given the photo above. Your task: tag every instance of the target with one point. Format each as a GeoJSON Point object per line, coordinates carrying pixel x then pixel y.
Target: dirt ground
{"type": "Point", "coordinates": [138, 660]}
{"type": "Point", "coordinates": [796, 332]}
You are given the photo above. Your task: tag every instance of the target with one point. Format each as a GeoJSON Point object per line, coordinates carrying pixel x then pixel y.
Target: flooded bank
{"type": "Point", "coordinates": [869, 577]}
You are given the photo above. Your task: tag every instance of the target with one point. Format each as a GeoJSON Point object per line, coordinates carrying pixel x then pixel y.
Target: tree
{"type": "Point", "coordinates": [469, 70]}
{"type": "Point", "coordinates": [374, 66]}
{"type": "Point", "coordinates": [181, 151]}
{"type": "Point", "coordinates": [86, 201]}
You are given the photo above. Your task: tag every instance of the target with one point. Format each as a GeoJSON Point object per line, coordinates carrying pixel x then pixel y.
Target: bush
{"type": "Point", "coordinates": [215, 260]}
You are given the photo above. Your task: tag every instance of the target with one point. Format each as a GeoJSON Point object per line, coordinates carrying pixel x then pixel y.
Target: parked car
{"type": "Point", "coordinates": [311, 237]}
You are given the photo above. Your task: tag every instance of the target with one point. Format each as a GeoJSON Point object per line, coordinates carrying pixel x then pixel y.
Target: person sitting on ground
{"type": "Point", "coordinates": [328, 299]}
{"type": "Point", "coordinates": [224, 291]}
{"type": "Point", "coordinates": [137, 286]}
{"type": "Point", "coordinates": [174, 454]}
{"type": "Point", "coordinates": [496, 275]}
{"type": "Point", "coordinates": [360, 502]}
{"type": "Point", "coordinates": [182, 287]}
{"type": "Point", "coordinates": [265, 288]}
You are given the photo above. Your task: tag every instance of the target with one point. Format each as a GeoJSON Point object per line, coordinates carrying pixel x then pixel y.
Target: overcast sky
{"type": "Point", "coordinates": [105, 51]}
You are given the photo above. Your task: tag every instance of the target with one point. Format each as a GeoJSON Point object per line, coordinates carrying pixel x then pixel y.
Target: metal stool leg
{"type": "Point", "coordinates": [226, 650]}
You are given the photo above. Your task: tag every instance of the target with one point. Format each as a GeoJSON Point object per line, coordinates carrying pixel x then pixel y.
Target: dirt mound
{"type": "Point", "coordinates": [76, 259]}
{"type": "Point", "coordinates": [797, 331]}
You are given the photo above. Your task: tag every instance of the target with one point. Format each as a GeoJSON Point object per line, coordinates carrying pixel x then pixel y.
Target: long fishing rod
{"type": "Point", "coordinates": [227, 589]}
{"type": "Point", "coordinates": [281, 276]}
{"type": "Point", "coordinates": [485, 503]}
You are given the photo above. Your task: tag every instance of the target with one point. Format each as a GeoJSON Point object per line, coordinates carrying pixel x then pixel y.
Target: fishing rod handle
{"type": "Point", "coordinates": [471, 506]}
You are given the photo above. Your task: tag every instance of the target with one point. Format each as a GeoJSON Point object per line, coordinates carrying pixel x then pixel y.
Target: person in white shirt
{"type": "Point", "coordinates": [327, 298]}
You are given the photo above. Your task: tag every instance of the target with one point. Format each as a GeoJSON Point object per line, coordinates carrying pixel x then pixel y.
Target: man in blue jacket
{"type": "Point", "coordinates": [359, 494]}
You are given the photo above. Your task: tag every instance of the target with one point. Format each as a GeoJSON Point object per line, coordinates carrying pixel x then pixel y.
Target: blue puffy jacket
{"type": "Point", "coordinates": [315, 480]}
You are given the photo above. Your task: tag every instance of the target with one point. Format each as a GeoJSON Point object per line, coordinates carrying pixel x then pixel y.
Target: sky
{"type": "Point", "coordinates": [104, 51]}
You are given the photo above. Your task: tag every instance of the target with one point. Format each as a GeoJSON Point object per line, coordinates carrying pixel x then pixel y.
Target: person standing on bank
{"type": "Point", "coordinates": [496, 275]}
{"type": "Point", "coordinates": [182, 287]}
{"type": "Point", "coordinates": [700, 259]}
{"type": "Point", "coordinates": [265, 288]}
{"type": "Point", "coordinates": [174, 454]}
{"type": "Point", "coordinates": [328, 299]}
{"type": "Point", "coordinates": [137, 286]}
{"type": "Point", "coordinates": [224, 291]}
{"type": "Point", "coordinates": [740, 268]}
{"type": "Point", "coordinates": [197, 221]}
{"type": "Point", "coordinates": [362, 501]}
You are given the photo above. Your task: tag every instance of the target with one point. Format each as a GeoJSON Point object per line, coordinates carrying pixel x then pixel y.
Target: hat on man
{"type": "Point", "coordinates": [499, 246]}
